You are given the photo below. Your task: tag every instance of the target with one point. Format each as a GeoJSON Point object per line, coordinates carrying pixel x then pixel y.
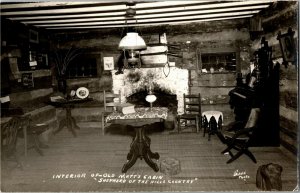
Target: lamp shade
{"type": "Point", "coordinates": [132, 41]}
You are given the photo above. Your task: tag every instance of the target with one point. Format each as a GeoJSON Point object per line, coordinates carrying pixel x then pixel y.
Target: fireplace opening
{"type": "Point", "coordinates": [163, 99]}
{"type": "Point", "coordinates": [137, 80]}
{"type": "Point", "coordinates": [134, 86]}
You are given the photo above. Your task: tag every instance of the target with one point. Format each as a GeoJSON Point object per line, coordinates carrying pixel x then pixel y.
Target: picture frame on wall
{"type": "Point", "coordinates": [42, 59]}
{"type": "Point", "coordinates": [33, 36]}
{"type": "Point", "coordinates": [108, 63]}
{"type": "Point", "coordinates": [14, 68]}
{"type": "Point", "coordinates": [27, 80]}
{"type": "Point", "coordinates": [287, 46]}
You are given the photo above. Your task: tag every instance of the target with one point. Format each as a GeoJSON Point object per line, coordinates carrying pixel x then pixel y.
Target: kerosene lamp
{"type": "Point", "coordinates": [150, 98]}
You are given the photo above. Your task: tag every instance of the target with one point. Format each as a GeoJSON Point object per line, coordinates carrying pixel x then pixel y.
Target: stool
{"type": "Point", "coordinates": [35, 131]}
{"type": "Point", "coordinates": [211, 121]}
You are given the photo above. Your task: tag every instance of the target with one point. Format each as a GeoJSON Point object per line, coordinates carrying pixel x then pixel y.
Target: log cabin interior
{"type": "Point", "coordinates": [130, 96]}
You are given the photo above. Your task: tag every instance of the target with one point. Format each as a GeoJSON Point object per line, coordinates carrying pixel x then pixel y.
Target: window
{"type": "Point", "coordinates": [219, 62]}
{"type": "Point", "coordinates": [83, 66]}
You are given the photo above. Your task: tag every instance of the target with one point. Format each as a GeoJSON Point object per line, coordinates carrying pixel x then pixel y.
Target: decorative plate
{"type": "Point", "coordinates": [82, 92]}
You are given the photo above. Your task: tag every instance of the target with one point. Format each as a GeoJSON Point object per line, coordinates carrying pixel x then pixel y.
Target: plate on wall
{"type": "Point", "coordinates": [82, 92]}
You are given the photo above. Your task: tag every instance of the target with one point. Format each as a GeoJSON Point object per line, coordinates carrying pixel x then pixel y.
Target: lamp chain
{"type": "Point", "coordinates": [167, 64]}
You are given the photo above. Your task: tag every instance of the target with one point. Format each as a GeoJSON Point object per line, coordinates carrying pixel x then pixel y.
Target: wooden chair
{"type": "Point", "coordinates": [110, 100]}
{"type": "Point", "coordinates": [33, 132]}
{"type": "Point", "coordinates": [192, 112]}
{"type": "Point", "coordinates": [241, 140]}
{"type": "Point", "coordinates": [9, 136]}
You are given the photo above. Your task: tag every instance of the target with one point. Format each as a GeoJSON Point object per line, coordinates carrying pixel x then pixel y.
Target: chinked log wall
{"type": "Point", "coordinates": [205, 37]}
{"type": "Point", "coordinates": [282, 16]}
{"type": "Point", "coordinates": [215, 37]}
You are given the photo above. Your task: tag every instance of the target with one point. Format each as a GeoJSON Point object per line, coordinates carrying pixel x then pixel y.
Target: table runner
{"type": "Point", "coordinates": [141, 113]}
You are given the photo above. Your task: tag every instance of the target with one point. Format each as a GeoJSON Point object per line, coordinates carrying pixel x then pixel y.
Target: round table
{"type": "Point", "coordinates": [68, 121]}
{"type": "Point", "coordinates": [140, 145]}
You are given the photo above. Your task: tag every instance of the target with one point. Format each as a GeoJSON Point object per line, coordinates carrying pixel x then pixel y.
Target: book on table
{"type": "Point", "coordinates": [125, 108]}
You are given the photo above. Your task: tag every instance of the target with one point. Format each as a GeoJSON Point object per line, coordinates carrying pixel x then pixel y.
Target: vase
{"type": "Point", "coordinates": [62, 85]}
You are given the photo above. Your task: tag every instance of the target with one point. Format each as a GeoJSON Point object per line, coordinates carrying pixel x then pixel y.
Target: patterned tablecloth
{"type": "Point", "coordinates": [141, 113]}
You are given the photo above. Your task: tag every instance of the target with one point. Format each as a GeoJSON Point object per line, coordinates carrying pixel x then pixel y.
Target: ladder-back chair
{"type": "Point", "coordinates": [192, 112]}
{"type": "Point", "coordinates": [110, 102]}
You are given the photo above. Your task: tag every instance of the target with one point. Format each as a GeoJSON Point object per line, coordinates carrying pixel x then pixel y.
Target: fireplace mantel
{"type": "Point", "coordinates": [136, 80]}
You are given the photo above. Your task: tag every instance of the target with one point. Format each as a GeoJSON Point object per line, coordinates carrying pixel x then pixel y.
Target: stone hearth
{"type": "Point", "coordinates": [140, 80]}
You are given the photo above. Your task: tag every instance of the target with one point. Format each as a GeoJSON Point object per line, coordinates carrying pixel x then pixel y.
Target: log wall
{"type": "Point", "coordinates": [216, 36]}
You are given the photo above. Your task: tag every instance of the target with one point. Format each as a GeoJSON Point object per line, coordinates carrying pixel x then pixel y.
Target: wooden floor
{"type": "Point", "coordinates": [203, 167]}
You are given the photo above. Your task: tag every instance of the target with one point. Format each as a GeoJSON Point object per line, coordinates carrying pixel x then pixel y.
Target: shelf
{"type": "Point", "coordinates": [38, 73]}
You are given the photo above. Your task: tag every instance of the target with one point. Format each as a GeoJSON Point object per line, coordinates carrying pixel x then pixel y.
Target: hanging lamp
{"type": "Point", "coordinates": [132, 42]}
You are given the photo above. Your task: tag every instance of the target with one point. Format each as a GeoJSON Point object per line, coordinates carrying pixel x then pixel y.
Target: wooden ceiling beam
{"type": "Point", "coordinates": [142, 8]}
{"type": "Point", "coordinates": [149, 24]}
{"type": "Point", "coordinates": [99, 8]}
{"type": "Point", "coordinates": [124, 22]}
{"type": "Point", "coordinates": [110, 13]}
{"type": "Point", "coordinates": [141, 17]}
{"type": "Point", "coordinates": [19, 5]}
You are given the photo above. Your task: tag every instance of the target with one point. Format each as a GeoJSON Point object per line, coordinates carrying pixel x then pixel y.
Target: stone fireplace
{"type": "Point", "coordinates": [135, 84]}
{"type": "Point", "coordinates": [163, 99]}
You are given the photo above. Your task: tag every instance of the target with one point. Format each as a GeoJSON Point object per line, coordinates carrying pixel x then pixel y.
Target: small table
{"type": "Point", "coordinates": [68, 121]}
{"type": "Point", "coordinates": [5, 120]}
{"type": "Point", "coordinates": [140, 146]}
{"type": "Point", "coordinates": [212, 121]}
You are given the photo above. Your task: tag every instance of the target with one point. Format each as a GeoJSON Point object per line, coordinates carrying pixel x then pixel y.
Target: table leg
{"type": "Point", "coordinates": [147, 154]}
{"type": "Point", "coordinates": [212, 127]}
{"type": "Point", "coordinates": [74, 124]}
{"type": "Point", "coordinates": [130, 154]}
{"type": "Point", "coordinates": [62, 124]}
{"type": "Point", "coordinates": [140, 148]}
{"type": "Point", "coordinates": [68, 122]}
{"type": "Point", "coordinates": [220, 122]}
{"type": "Point", "coordinates": [148, 160]}
{"type": "Point", "coordinates": [129, 163]}
{"type": "Point", "coordinates": [71, 123]}
{"type": "Point", "coordinates": [25, 140]}
{"type": "Point", "coordinates": [205, 125]}
{"type": "Point", "coordinates": [150, 153]}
